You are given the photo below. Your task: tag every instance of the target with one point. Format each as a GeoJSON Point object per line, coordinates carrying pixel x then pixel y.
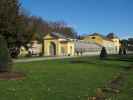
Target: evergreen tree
{"type": "Point", "coordinates": [124, 51]}
{"type": "Point", "coordinates": [103, 53]}
{"type": "Point", "coordinates": [9, 14]}
{"type": "Point", "coordinates": [5, 61]}
{"type": "Point", "coordinates": [13, 24]}
{"type": "Point", "coordinates": [120, 51]}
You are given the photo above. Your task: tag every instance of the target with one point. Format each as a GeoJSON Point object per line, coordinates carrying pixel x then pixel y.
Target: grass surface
{"type": "Point", "coordinates": [68, 79]}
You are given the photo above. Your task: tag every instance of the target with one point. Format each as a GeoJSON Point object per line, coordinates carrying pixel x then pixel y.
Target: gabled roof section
{"type": "Point", "coordinates": [58, 35]}
{"type": "Point", "coordinates": [97, 34]}
{"type": "Point", "coordinates": [111, 36]}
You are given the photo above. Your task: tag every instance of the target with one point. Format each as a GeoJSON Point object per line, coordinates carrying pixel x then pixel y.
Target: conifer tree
{"type": "Point", "coordinates": [103, 53]}
{"type": "Point", "coordinates": [5, 61]}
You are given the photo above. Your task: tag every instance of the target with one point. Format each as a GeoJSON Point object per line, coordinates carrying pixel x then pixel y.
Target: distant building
{"type": "Point", "coordinates": [35, 48]}
{"type": "Point", "coordinates": [56, 44]}
{"type": "Point", "coordinates": [117, 43]}
{"type": "Point", "coordinates": [130, 44]}
{"type": "Point", "coordinates": [111, 44]}
{"type": "Point", "coordinates": [84, 48]}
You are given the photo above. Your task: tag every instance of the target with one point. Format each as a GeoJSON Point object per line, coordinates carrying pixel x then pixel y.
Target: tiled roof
{"type": "Point", "coordinates": [58, 35]}
{"type": "Point", "coordinates": [97, 34]}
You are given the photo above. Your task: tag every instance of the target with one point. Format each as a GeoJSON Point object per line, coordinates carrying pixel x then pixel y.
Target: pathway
{"type": "Point", "coordinates": [48, 58]}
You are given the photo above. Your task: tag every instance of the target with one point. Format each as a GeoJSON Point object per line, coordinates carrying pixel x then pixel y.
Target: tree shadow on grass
{"type": "Point", "coordinates": [121, 58]}
{"type": "Point", "coordinates": [86, 60]}
{"type": "Point", "coordinates": [80, 62]}
{"type": "Point", "coordinates": [112, 61]}
{"type": "Point", "coordinates": [101, 63]}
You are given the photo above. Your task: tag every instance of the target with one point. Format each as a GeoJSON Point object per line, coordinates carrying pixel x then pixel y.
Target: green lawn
{"type": "Point", "coordinates": [68, 79]}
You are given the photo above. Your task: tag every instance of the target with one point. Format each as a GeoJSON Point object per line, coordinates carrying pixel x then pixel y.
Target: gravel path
{"type": "Point", "coordinates": [40, 59]}
{"type": "Point", "coordinates": [49, 58]}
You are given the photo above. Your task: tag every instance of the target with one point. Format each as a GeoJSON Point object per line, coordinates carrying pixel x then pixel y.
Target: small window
{"type": "Point", "coordinates": [93, 37]}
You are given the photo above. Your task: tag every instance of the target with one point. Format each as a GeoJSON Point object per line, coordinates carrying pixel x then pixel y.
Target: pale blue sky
{"type": "Point", "coordinates": [87, 16]}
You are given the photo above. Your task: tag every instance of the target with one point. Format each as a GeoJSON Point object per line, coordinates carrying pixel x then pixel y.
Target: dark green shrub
{"type": "Point", "coordinates": [5, 60]}
{"type": "Point", "coordinates": [120, 51]}
{"type": "Point", "coordinates": [14, 52]}
{"type": "Point", "coordinates": [103, 53]}
{"type": "Point", "coordinates": [124, 51]}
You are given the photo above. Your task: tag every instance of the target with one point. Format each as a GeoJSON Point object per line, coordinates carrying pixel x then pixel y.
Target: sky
{"type": "Point", "coordinates": [87, 16]}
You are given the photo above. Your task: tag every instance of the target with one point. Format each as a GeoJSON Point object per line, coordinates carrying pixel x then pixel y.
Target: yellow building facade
{"type": "Point", "coordinates": [103, 41]}
{"type": "Point", "coordinates": [117, 43]}
{"type": "Point", "coordinates": [58, 45]}
{"type": "Point", "coordinates": [94, 38]}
